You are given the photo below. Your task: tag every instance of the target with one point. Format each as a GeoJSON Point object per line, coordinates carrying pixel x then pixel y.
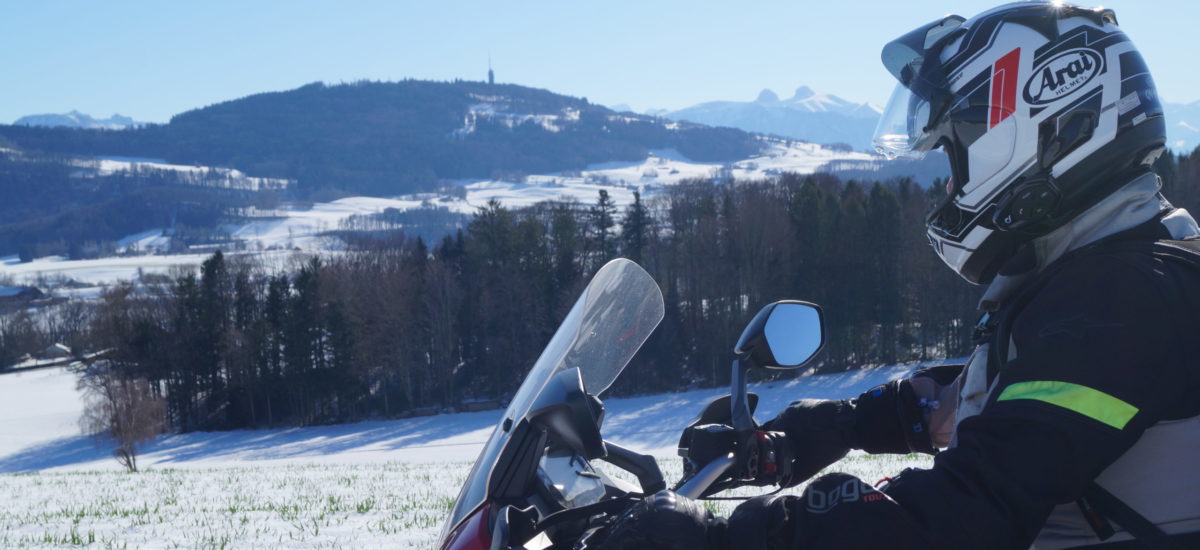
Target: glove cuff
{"type": "Point", "coordinates": [890, 419]}
{"type": "Point", "coordinates": [718, 538]}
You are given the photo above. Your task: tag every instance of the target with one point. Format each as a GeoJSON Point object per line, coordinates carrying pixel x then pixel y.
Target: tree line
{"type": "Point", "coordinates": [395, 324]}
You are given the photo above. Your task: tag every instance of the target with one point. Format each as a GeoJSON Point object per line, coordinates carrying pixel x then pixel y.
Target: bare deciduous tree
{"type": "Point", "coordinates": [127, 410]}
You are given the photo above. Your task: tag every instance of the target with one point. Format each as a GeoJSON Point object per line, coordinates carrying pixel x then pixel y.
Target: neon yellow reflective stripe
{"type": "Point", "coordinates": [1093, 404]}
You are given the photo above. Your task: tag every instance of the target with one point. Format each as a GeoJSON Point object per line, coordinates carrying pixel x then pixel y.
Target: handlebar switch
{"type": "Point", "coordinates": [705, 443]}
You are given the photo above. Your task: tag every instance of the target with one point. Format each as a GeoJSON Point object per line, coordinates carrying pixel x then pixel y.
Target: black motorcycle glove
{"type": "Point", "coordinates": [820, 431]}
{"type": "Point", "coordinates": [666, 521]}
{"type": "Point", "coordinates": [889, 418]}
{"type": "Point", "coordinates": [893, 418]}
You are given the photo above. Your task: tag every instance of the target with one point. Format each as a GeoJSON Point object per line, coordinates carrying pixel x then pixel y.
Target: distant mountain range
{"type": "Point", "coordinates": [807, 115]}
{"type": "Point", "coordinates": [76, 119]}
{"type": "Point", "coordinates": [829, 119]}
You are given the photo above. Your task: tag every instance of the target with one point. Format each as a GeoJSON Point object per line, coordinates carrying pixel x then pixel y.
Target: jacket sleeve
{"type": "Point", "coordinates": [1093, 367]}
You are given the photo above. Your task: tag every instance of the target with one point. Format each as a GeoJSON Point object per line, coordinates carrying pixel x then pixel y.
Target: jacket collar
{"type": "Point", "coordinates": [1134, 204]}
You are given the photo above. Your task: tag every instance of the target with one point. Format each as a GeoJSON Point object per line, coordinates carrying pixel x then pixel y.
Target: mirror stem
{"type": "Point", "coordinates": [739, 406]}
{"type": "Point", "coordinates": [743, 422]}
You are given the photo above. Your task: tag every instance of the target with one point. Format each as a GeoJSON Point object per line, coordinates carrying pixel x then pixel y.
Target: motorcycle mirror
{"type": "Point", "coordinates": [784, 335]}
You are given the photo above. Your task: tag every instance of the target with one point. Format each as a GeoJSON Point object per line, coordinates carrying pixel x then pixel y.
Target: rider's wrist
{"type": "Point", "coordinates": [888, 420]}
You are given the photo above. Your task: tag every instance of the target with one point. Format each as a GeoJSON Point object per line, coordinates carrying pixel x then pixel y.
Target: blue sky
{"type": "Point", "coordinates": [151, 60]}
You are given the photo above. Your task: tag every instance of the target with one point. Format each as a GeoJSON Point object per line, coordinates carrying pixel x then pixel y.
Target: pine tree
{"type": "Point", "coordinates": [566, 248]}
{"type": "Point", "coordinates": [602, 221]}
{"type": "Point", "coordinates": [634, 229]}
{"type": "Point", "coordinates": [215, 303]}
{"type": "Point", "coordinates": [883, 211]}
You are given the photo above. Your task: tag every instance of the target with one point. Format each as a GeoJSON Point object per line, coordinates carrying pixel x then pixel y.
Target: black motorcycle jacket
{"type": "Point", "coordinates": [1091, 377]}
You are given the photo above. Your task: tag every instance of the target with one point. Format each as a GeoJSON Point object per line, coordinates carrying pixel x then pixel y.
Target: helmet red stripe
{"type": "Point", "coordinates": [1004, 87]}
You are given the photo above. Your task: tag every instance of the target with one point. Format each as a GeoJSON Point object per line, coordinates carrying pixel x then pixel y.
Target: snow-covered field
{"type": "Point", "coordinates": [372, 484]}
{"type": "Point", "coordinates": [97, 271]}
{"type": "Point", "coordinates": [91, 276]}
{"type": "Point", "coordinates": [392, 504]}
{"type": "Point", "coordinates": [305, 228]}
{"type": "Point", "coordinates": [199, 175]}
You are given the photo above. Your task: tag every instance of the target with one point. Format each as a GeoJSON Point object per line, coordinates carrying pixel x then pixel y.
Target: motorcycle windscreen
{"type": "Point", "coordinates": [607, 325]}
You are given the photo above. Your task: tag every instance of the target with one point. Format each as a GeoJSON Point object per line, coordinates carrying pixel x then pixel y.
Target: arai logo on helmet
{"type": "Point", "coordinates": [1065, 73]}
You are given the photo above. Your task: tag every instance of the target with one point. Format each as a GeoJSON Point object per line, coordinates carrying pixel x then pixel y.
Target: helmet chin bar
{"type": "Point", "coordinates": [981, 264]}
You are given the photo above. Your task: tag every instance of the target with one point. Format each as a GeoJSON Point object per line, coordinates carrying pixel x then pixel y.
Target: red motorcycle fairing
{"type": "Point", "coordinates": [474, 533]}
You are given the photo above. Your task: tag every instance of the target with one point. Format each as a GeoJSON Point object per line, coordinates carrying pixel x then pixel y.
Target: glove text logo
{"type": "Point", "coordinates": [850, 490]}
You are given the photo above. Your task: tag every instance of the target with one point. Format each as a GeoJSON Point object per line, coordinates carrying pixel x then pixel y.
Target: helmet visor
{"type": "Point", "coordinates": [903, 130]}
{"type": "Point", "coordinates": [903, 56]}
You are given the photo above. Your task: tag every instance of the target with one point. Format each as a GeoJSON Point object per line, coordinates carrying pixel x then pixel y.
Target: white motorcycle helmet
{"type": "Point", "coordinates": [1042, 108]}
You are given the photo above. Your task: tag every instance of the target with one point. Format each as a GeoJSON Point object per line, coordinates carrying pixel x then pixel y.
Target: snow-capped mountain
{"type": "Point", "coordinates": [824, 118]}
{"type": "Point", "coordinates": [76, 119]}
{"type": "Point", "coordinates": [807, 115]}
{"type": "Point", "coordinates": [1183, 126]}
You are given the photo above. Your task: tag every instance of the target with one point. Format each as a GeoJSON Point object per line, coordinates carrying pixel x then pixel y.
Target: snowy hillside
{"type": "Point", "coordinates": [660, 169]}
{"type": "Point", "coordinates": [276, 234]}
{"type": "Point", "coordinates": [227, 178]}
{"type": "Point", "coordinates": [90, 276]}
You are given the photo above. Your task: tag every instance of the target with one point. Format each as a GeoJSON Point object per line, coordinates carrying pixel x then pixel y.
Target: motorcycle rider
{"type": "Point", "coordinates": [1076, 421]}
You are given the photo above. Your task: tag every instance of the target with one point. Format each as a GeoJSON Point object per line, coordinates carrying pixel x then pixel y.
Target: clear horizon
{"type": "Point", "coordinates": [150, 60]}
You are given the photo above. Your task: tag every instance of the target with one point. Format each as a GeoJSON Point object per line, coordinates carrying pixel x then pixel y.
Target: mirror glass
{"type": "Point", "coordinates": [793, 332]}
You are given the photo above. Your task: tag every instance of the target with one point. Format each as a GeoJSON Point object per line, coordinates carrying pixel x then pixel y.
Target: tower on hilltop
{"type": "Point", "coordinates": [491, 75]}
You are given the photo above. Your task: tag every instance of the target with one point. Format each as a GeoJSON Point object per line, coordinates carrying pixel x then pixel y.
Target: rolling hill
{"type": "Point", "coordinates": [388, 138]}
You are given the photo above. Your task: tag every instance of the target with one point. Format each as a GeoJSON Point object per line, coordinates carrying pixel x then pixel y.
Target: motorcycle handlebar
{"type": "Point", "coordinates": [708, 475]}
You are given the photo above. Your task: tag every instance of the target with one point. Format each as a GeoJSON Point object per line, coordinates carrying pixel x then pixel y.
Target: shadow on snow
{"type": "Point", "coordinates": [647, 423]}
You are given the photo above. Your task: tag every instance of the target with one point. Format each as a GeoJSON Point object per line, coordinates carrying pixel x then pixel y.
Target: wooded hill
{"type": "Point", "coordinates": [389, 138]}
{"type": "Point", "coordinates": [53, 205]}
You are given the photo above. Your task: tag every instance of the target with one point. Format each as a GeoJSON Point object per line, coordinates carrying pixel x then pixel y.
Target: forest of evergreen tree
{"type": "Point", "coordinates": [395, 325]}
